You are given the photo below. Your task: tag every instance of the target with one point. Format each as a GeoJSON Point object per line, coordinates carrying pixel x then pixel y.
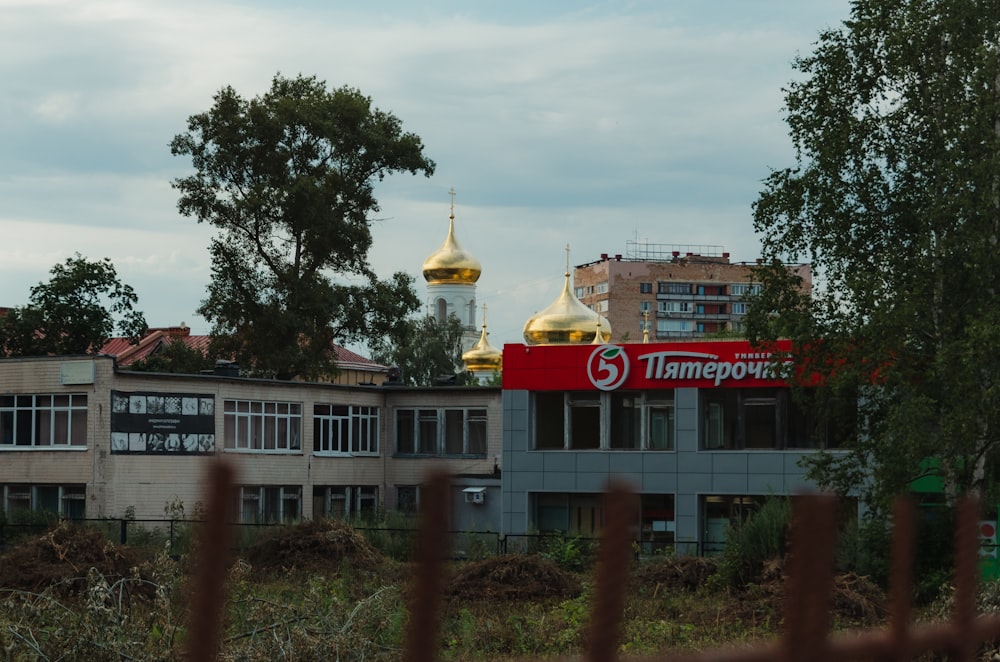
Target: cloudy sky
{"type": "Point", "coordinates": [593, 123]}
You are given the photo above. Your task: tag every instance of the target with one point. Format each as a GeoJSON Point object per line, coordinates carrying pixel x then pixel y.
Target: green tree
{"type": "Point", "coordinates": [424, 350]}
{"type": "Point", "coordinates": [75, 312]}
{"type": "Point", "coordinates": [287, 178]}
{"type": "Point", "coordinates": [174, 357]}
{"type": "Point", "coordinates": [894, 200]}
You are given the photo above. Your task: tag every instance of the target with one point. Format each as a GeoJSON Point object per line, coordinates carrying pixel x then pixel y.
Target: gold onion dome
{"type": "Point", "coordinates": [566, 321]}
{"type": "Point", "coordinates": [451, 263]}
{"type": "Point", "coordinates": [483, 356]}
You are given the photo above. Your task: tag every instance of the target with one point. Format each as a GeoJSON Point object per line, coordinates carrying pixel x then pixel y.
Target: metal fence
{"type": "Point", "coordinates": [806, 634]}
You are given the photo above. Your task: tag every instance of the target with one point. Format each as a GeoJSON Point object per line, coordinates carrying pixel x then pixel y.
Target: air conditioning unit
{"type": "Point", "coordinates": [475, 495]}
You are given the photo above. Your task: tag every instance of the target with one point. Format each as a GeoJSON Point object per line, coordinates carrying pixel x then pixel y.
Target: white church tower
{"type": "Point", "coordinates": [451, 274]}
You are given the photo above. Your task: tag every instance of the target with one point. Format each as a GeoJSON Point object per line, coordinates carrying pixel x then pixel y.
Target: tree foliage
{"type": "Point", "coordinates": [288, 180]}
{"type": "Point", "coordinates": [75, 312]}
{"type": "Point", "coordinates": [424, 350]}
{"type": "Point", "coordinates": [174, 357]}
{"type": "Point", "coordinates": [894, 199]}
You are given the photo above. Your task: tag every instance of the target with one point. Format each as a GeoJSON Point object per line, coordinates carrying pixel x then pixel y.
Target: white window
{"type": "Point", "coordinates": [673, 306]}
{"type": "Point", "coordinates": [43, 421]}
{"type": "Point", "coordinates": [739, 308]}
{"type": "Point", "coordinates": [67, 501]}
{"type": "Point", "coordinates": [258, 425]}
{"type": "Point", "coordinates": [578, 291]}
{"type": "Point", "coordinates": [602, 288]}
{"type": "Point", "coordinates": [270, 504]}
{"type": "Point", "coordinates": [441, 431]}
{"type": "Point", "coordinates": [739, 290]}
{"type": "Point", "coordinates": [344, 500]}
{"type": "Point", "coordinates": [673, 326]}
{"type": "Point", "coordinates": [345, 429]}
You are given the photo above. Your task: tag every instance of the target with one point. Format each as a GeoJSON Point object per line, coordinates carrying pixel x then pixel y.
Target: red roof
{"type": "Point", "coordinates": [126, 353]}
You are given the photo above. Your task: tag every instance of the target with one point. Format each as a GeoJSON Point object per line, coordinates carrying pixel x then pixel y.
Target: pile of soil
{"type": "Point", "coordinates": [513, 577]}
{"type": "Point", "coordinates": [680, 573]}
{"type": "Point", "coordinates": [61, 558]}
{"type": "Point", "coordinates": [319, 544]}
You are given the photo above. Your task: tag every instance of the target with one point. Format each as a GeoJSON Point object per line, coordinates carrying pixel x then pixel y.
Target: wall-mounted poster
{"type": "Point", "coordinates": [160, 423]}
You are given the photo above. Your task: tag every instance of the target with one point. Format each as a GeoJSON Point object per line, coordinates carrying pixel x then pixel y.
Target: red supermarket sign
{"type": "Point", "coordinates": [708, 364]}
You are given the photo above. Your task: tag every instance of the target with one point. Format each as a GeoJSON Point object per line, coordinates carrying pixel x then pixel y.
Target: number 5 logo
{"type": "Point", "coordinates": [607, 367]}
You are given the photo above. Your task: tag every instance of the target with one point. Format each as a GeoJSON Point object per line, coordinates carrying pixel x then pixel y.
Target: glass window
{"type": "Point", "coordinates": [441, 431]}
{"type": "Point", "coordinates": [626, 421]}
{"type": "Point", "coordinates": [269, 504]}
{"type": "Point", "coordinates": [43, 421]}
{"type": "Point", "coordinates": [645, 288]}
{"type": "Point", "coordinates": [550, 431]}
{"type": "Point", "coordinates": [345, 429]}
{"type": "Point", "coordinates": [257, 425]}
{"type": "Point", "coordinates": [584, 421]}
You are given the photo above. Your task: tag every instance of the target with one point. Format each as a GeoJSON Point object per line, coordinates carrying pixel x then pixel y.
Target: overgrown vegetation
{"type": "Point", "coordinates": [324, 590]}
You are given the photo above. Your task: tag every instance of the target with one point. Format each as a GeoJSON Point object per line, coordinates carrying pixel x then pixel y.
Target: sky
{"type": "Point", "coordinates": [603, 125]}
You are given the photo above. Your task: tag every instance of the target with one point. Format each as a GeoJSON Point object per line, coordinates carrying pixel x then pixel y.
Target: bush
{"type": "Point", "coordinates": [749, 545]}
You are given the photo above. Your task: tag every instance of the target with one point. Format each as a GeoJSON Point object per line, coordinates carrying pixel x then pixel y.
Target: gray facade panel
{"type": "Point", "coordinates": [524, 462]}
{"type": "Point", "coordinates": [593, 482]}
{"type": "Point", "coordinates": [694, 463]}
{"type": "Point", "coordinates": [525, 480]}
{"type": "Point", "coordinates": [792, 460]}
{"type": "Point", "coordinates": [766, 484]}
{"type": "Point", "coordinates": [729, 483]}
{"type": "Point", "coordinates": [556, 460]}
{"type": "Point", "coordinates": [694, 483]}
{"type": "Point", "coordinates": [653, 483]}
{"type": "Point", "coordinates": [663, 462]}
{"type": "Point", "coordinates": [729, 463]}
{"type": "Point", "coordinates": [593, 461]}
{"type": "Point", "coordinates": [626, 462]}
{"type": "Point", "coordinates": [765, 462]}
{"type": "Point", "coordinates": [559, 481]}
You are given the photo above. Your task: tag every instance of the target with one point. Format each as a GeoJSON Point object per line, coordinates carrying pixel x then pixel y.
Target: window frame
{"type": "Point", "coordinates": [556, 411]}
{"type": "Point", "coordinates": [26, 417]}
{"type": "Point", "coordinates": [346, 430]}
{"type": "Point", "coordinates": [256, 426]}
{"type": "Point", "coordinates": [439, 423]}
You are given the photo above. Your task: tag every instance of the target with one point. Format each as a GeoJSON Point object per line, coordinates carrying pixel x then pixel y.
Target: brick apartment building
{"type": "Point", "coordinates": [671, 291]}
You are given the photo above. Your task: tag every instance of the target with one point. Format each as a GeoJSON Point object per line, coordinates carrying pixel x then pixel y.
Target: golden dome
{"type": "Point", "coordinates": [483, 356]}
{"type": "Point", "coordinates": [451, 263]}
{"type": "Point", "coordinates": [566, 321]}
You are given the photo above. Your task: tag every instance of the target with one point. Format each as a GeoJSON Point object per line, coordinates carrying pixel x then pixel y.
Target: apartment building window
{"type": "Point", "coordinates": [645, 288]}
{"type": "Point", "coordinates": [342, 501]}
{"type": "Point", "coordinates": [611, 421]}
{"type": "Point", "coordinates": [345, 429]}
{"type": "Point", "coordinates": [673, 306]}
{"type": "Point", "coordinates": [673, 326]}
{"type": "Point", "coordinates": [265, 504]}
{"type": "Point", "coordinates": [739, 308]}
{"type": "Point", "coordinates": [68, 501]}
{"type": "Point", "coordinates": [258, 425]}
{"type": "Point", "coordinates": [739, 290]}
{"type": "Point", "coordinates": [601, 288]}
{"type": "Point", "coordinates": [645, 306]}
{"type": "Point", "coordinates": [43, 421]}
{"type": "Point", "coordinates": [450, 431]}
{"type": "Point", "coordinates": [673, 288]}
{"type": "Point", "coordinates": [578, 291]}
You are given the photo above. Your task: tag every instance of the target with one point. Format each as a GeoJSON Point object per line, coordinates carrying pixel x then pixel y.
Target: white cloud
{"type": "Point", "coordinates": [555, 124]}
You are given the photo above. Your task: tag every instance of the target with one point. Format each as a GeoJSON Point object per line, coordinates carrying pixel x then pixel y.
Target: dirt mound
{"type": "Point", "coordinates": [314, 544]}
{"type": "Point", "coordinates": [61, 558]}
{"type": "Point", "coordinates": [513, 577]}
{"type": "Point", "coordinates": [855, 602]}
{"type": "Point", "coordinates": [685, 572]}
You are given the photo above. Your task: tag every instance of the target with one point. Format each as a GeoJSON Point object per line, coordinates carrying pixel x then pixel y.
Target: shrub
{"type": "Point", "coordinates": [759, 539]}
